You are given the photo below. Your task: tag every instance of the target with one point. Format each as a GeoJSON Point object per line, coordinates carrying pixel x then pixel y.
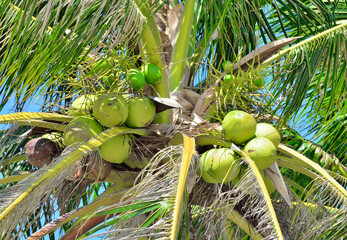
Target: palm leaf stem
{"type": "Point", "coordinates": [282, 53]}
{"type": "Point", "coordinates": [15, 178]}
{"type": "Point", "coordinates": [342, 191]}
{"type": "Point", "coordinates": [188, 151]}
{"type": "Point", "coordinates": [111, 194]}
{"type": "Point", "coordinates": [181, 47]}
{"type": "Point", "coordinates": [13, 159]}
{"type": "Point", "coordinates": [265, 192]}
{"type": "Point", "coordinates": [290, 165]}
{"type": "Point", "coordinates": [238, 219]}
{"type": "Point", "coordinates": [27, 116]}
{"type": "Point", "coordinates": [42, 124]}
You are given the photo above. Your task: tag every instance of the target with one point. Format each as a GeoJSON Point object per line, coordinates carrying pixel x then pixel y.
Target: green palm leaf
{"type": "Point", "coordinates": [40, 52]}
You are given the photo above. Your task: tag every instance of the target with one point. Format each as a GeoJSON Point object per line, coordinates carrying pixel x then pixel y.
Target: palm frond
{"type": "Point", "coordinates": [40, 52]}
{"type": "Point", "coordinates": [188, 151]}
{"type": "Point", "coordinates": [312, 76]}
{"type": "Point", "coordinates": [152, 198]}
{"type": "Point", "coordinates": [43, 181]}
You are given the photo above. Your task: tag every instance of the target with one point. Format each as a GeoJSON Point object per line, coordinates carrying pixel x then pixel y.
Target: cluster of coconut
{"type": "Point", "coordinates": [92, 114]}
{"type": "Point", "coordinates": [258, 140]}
{"type": "Point", "coordinates": [148, 74]}
{"type": "Point", "coordinates": [253, 82]}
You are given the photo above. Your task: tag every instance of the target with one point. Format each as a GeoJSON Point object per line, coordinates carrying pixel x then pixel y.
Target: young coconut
{"type": "Point", "coordinates": [152, 74]}
{"type": "Point", "coordinates": [141, 112]}
{"type": "Point", "coordinates": [219, 165]}
{"type": "Point", "coordinates": [227, 66]}
{"type": "Point", "coordinates": [239, 126]}
{"type": "Point", "coordinates": [136, 79]}
{"type": "Point", "coordinates": [262, 151]}
{"type": "Point", "coordinates": [40, 151]}
{"type": "Point", "coordinates": [256, 84]}
{"type": "Point", "coordinates": [268, 131]}
{"type": "Point", "coordinates": [111, 109]}
{"type": "Point", "coordinates": [117, 149]}
{"type": "Point", "coordinates": [82, 105]}
{"type": "Point", "coordinates": [81, 129]}
{"type": "Point", "coordinates": [228, 79]}
{"type": "Point", "coordinates": [56, 137]}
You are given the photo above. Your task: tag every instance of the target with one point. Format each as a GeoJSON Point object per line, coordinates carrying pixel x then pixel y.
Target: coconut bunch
{"type": "Point", "coordinates": [92, 115]}
{"type": "Point", "coordinates": [258, 140]}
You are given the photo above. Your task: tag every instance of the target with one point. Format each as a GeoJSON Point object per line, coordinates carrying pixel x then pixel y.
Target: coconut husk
{"type": "Point", "coordinates": [41, 151]}
{"type": "Point", "coordinates": [78, 171]}
{"type": "Point", "coordinates": [190, 96]}
{"type": "Point", "coordinates": [97, 169]}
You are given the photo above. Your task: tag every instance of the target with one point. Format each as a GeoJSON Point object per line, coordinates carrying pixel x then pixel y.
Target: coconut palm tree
{"type": "Point", "coordinates": [61, 50]}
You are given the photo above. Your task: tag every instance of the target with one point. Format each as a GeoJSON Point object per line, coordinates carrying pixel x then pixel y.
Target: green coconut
{"type": "Point", "coordinates": [136, 79]}
{"type": "Point", "coordinates": [228, 79]}
{"type": "Point", "coordinates": [152, 74]}
{"type": "Point", "coordinates": [111, 109]}
{"type": "Point", "coordinates": [82, 105]}
{"type": "Point", "coordinates": [262, 151]}
{"type": "Point", "coordinates": [219, 165]}
{"type": "Point", "coordinates": [117, 149]}
{"type": "Point", "coordinates": [256, 84]}
{"type": "Point", "coordinates": [239, 126]}
{"type": "Point", "coordinates": [80, 129]}
{"type": "Point", "coordinates": [227, 66]}
{"type": "Point", "coordinates": [141, 112]}
{"type": "Point", "coordinates": [268, 131]}
{"type": "Point", "coordinates": [56, 137]}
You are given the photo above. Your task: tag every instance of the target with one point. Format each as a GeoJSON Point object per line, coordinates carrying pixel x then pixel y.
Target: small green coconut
{"type": "Point", "coordinates": [80, 129]}
{"type": "Point", "coordinates": [227, 66]}
{"type": "Point", "coordinates": [111, 109]}
{"type": "Point", "coordinates": [108, 81]}
{"type": "Point", "coordinates": [268, 131]}
{"type": "Point", "coordinates": [136, 79]}
{"type": "Point", "coordinates": [152, 74]}
{"type": "Point", "coordinates": [219, 165]}
{"type": "Point", "coordinates": [82, 105]}
{"type": "Point", "coordinates": [117, 149]}
{"type": "Point", "coordinates": [228, 79]}
{"type": "Point", "coordinates": [141, 112]}
{"type": "Point", "coordinates": [239, 126]}
{"type": "Point", "coordinates": [256, 84]}
{"type": "Point", "coordinates": [262, 151]}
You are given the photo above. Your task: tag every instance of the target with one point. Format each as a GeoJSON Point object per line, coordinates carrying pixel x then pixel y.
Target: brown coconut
{"type": "Point", "coordinates": [97, 168]}
{"type": "Point", "coordinates": [41, 151]}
